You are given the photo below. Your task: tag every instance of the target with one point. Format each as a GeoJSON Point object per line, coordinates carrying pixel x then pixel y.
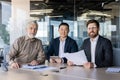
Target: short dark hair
{"type": "Point", "coordinates": [64, 24]}
{"type": "Point", "coordinates": [93, 21]}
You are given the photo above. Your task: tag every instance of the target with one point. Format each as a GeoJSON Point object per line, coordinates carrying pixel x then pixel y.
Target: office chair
{"type": "Point", "coordinates": [3, 63]}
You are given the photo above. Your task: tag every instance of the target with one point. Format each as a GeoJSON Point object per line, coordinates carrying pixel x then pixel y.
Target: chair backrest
{"type": "Point", "coordinates": [1, 55]}
{"type": "Point", "coordinates": [5, 53]}
{"type": "Point", "coordinates": [116, 56]}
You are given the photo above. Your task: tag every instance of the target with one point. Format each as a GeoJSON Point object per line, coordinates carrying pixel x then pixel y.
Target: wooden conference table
{"type": "Point", "coordinates": [68, 73]}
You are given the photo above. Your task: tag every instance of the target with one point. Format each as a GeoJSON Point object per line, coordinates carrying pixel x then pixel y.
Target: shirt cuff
{"type": "Point", "coordinates": [62, 60]}
{"type": "Point", "coordinates": [95, 65]}
{"type": "Point", "coordinates": [11, 62]}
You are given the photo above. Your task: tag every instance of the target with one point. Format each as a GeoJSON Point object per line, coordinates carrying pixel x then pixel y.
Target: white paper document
{"type": "Point", "coordinates": [113, 69]}
{"type": "Point", "coordinates": [33, 67]}
{"type": "Point", "coordinates": [40, 68]}
{"type": "Point", "coordinates": [78, 58]}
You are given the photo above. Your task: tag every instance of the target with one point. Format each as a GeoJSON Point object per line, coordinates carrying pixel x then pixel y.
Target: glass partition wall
{"type": "Point", "coordinates": [76, 12]}
{"type": "Point", "coordinates": [5, 14]}
{"type": "Point", "coordinates": [50, 13]}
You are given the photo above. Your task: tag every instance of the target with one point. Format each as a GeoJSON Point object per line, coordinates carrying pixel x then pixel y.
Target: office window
{"type": "Point", "coordinates": [49, 14]}
{"type": "Point", "coordinates": [5, 14]}
{"type": "Point", "coordinates": [76, 15]}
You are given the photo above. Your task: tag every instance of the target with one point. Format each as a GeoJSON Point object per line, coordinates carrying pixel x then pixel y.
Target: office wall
{"type": "Point", "coordinates": [20, 14]}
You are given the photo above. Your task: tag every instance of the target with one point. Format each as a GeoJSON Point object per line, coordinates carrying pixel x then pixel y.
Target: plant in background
{"type": "Point", "coordinates": [4, 34]}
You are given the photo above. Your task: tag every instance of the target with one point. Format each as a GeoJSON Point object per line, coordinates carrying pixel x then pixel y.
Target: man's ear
{"type": "Point", "coordinates": [68, 30]}
{"type": "Point", "coordinates": [58, 30]}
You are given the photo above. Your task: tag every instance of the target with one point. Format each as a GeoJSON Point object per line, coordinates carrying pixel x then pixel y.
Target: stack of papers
{"type": "Point", "coordinates": [40, 68]}
{"type": "Point", "coordinates": [33, 67]}
{"type": "Point", "coordinates": [113, 70]}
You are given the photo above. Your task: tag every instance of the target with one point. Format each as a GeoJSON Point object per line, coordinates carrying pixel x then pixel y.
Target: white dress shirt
{"type": "Point", "coordinates": [93, 47]}
{"type": "Point", "coordinates": [61, 48]}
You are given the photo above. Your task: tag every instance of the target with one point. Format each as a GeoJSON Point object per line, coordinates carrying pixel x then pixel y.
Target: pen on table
{"type": "Point", "coordinates": [63, 67]}
{"type": "Point", "coordinates": [78, 65]}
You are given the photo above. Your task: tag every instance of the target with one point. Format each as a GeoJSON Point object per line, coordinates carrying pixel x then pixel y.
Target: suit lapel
{"type": "Point", "coordinates": [89, 50]}
{"type": "Point", "coordinates": [97, 47]}
{"type": "Point", "coordinates": [57, 46]}
{"type": "Point", "coordinates": [66, 44]}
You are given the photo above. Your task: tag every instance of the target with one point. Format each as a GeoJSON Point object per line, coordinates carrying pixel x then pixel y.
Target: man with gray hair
{"type": "Point", "coordinates": [27, 49]}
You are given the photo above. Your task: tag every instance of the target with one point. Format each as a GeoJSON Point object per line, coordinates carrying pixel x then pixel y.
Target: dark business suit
{"type": "Point", "coordinates": [70, 46]}
{"type": "Point", "coordinates": [103, 52]}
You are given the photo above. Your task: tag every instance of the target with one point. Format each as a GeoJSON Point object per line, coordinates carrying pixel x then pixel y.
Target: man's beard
{"type": "Point", "coordinates": [31, 35]}
{"type": "Point", "coordinates": [93, 35]}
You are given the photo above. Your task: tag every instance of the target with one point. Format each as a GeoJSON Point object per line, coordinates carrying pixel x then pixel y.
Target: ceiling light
{"type": "Point", "coordinates": [56, 16]}
{"type": "Point", "coordinates": [41, 11]}
{"type": "Point", "coordinates": [98, 13]}
{"type": "Point", "coordinates": [36, 4]}
{"type": "Point", "coordinates": [36, 0]}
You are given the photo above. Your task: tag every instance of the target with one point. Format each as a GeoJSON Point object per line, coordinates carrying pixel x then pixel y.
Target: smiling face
{"type": "Point", "coordinates": [32, 30]}
{"type": "Point", "coordinates": [63, 31]}
{"type": "Point", "coordinates": [92, 30]}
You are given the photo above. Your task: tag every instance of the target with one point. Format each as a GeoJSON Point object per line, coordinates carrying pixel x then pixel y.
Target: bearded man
{"type": "Point", "coordinates": [98, 50]}
{"type": "Point", "coordinates": [27, 49]}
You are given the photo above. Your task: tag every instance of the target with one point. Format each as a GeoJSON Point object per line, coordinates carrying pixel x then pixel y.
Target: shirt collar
{"type": "Point", "coordinates": [95, 39]}
{"type": "Point", "coordinates": [27, 38]}
{"type": "Point", "coordinates": [62, 40]}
